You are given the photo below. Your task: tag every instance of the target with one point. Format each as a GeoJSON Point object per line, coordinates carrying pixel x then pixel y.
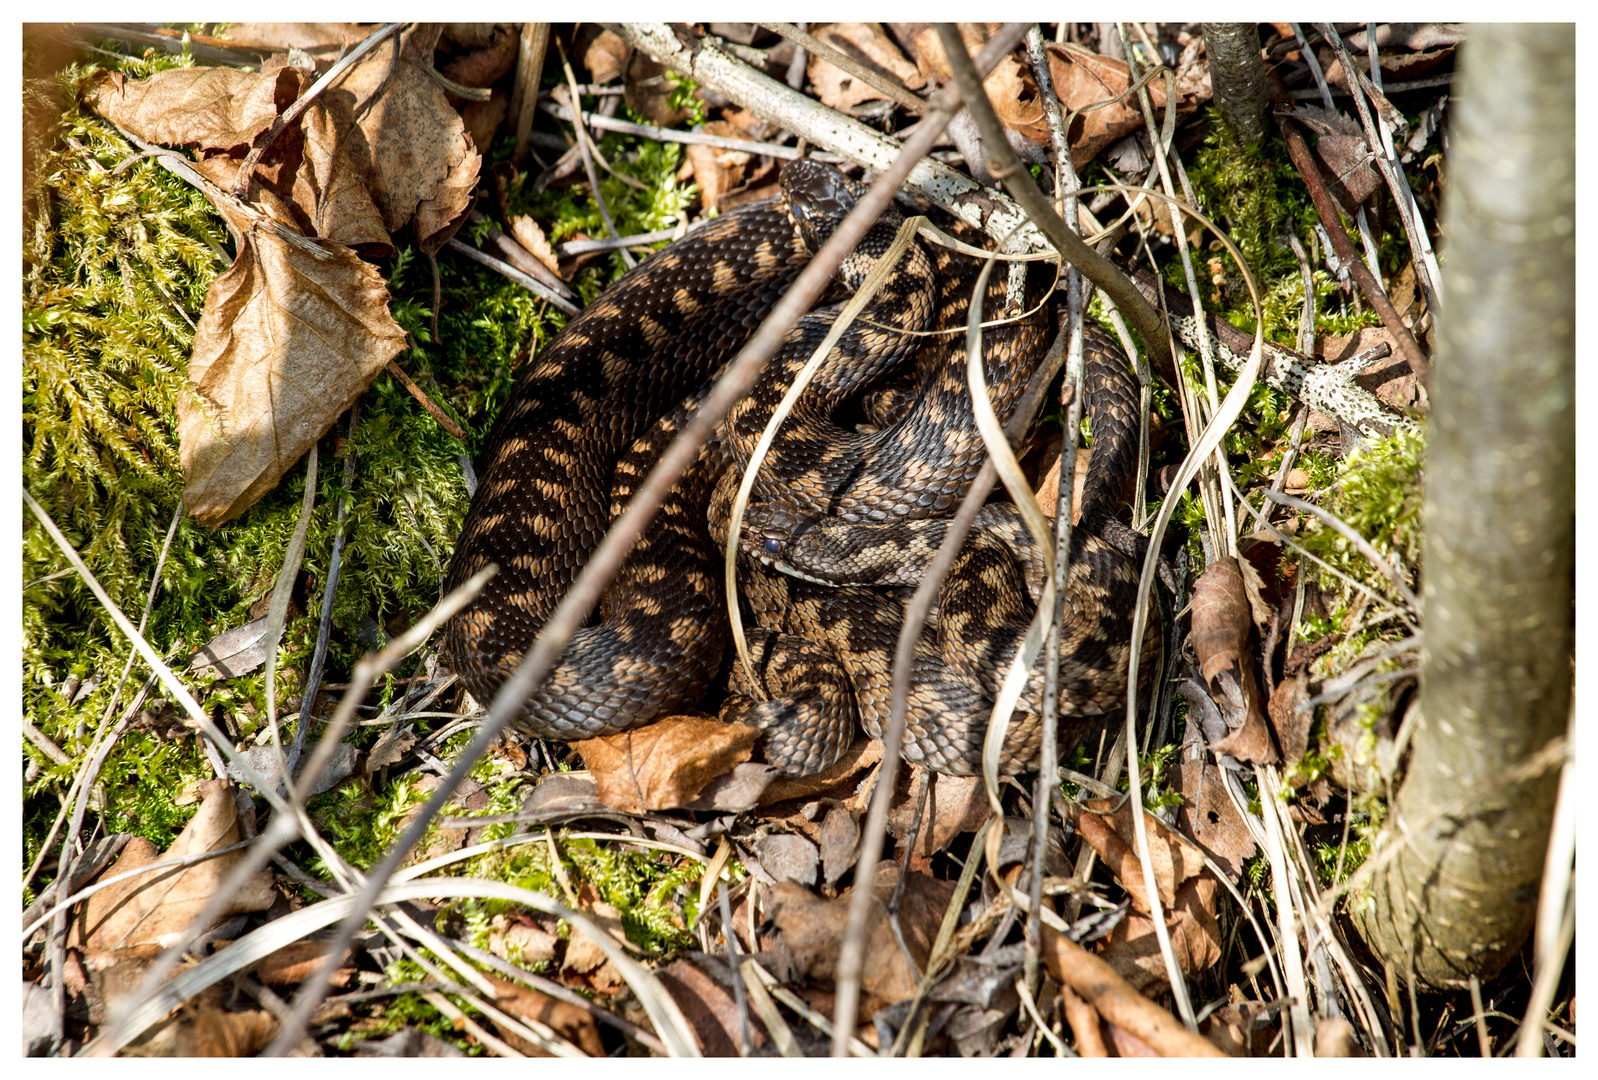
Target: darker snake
{"type": "Point", "coordinates": [598, 406]}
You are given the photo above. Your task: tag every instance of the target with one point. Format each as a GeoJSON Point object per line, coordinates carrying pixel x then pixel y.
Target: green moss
{"type": "Point", "coordinates": [109, 261]}
{"type": "Point", "coordinates": [1378, 493]}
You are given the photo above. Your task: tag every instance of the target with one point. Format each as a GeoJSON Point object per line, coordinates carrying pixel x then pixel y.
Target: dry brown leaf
{"type": "Point", "coordinates": [736, 791]}
{"type": "Point", "coordinates": [839, 840]}
{"type": "Point", "coordinates": [606, 57]}
{"type": "Point", "coordinates": [958, 804]}
{"type": "Point", "coordinates": [286, 343]}
{"type": "Point", "coordinates": [1221, 635]}
{"type": "Point", "coordinates": [531, 236]}
{"type": "Point", "coordinates": [585, 958]}
{"type": "Point", "coordinates": [788, 858]}
{"type": "Point", "coordinates": [483, 118]}
{"type": "Point", "coordinates": [664, 765]}
{"type": "Point", "coordinates": [710, 1009]}
{"type": "Point", "coordinates": [574, 1024]}
{"type": "Point", "coordinates": [298, 35]}
{"type": "Point", "coordinates": [332, 191]}
{"type": "Point", "coordinates": [1188, 895]}
{"type": "Point", "coordinates": [1208, 815]}
{"type": "Point", "coordinates": [209, 108]}
{"type": "Point", "coordinates": [521, 939]}
{"type": "Point", "coordinates": [296, 962]}
{"type": "Point", "coordinates": [200, 1031]}
{"type": "Point", "coordinates": [151, 909]}
{"type": "Point", "coordinates": [1106, 824]}
{"type": "Point", "coordinates": [869, 44]}
{"type": "Point", "coordinates": [812, 929]}
{"type": "Point", "coordinates": [1133, 949]}
{"type": "Point", "coordinates": [715, 170]}
{"type": "Point", "coordinates": [411, 148]}
{"type": "Point", "coordinates": [1081, 78]}
{"type": "Point", "coordinates": [487, 63]}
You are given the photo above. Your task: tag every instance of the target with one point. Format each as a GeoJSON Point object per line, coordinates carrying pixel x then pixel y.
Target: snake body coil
{"type": "Point", "coordinates": [598, 406]}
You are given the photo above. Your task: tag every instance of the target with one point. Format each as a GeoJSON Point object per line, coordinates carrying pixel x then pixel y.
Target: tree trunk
{"type": "Point", "coordinates": [1237, 74]}
{"type": "Point", "coordinates": [1460, 898]}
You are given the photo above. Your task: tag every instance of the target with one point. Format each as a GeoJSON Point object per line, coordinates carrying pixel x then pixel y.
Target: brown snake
{"type": "Point", "coordinates": [581, 430]}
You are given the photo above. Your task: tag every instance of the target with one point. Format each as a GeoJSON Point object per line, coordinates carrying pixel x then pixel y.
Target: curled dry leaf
{"type": "Point", "coordinates": [664, 765]}
{"type": "Point", "coordinates": [531, 236]}
{"type": "Point", "coordinates": [1082, 78]}
{"type": "Point", "coordinates": [208, 108]}
{"type": "Point", "coordinates": [869, 44]}
{"type": "Point", "coordinates": [606, 57]}
{"type": "Point", "coordinates": [1221, 636]}
{"type": "Point", "coordinates": [149, 908]}
{"type": "Point", "coordinates": [286, 343]}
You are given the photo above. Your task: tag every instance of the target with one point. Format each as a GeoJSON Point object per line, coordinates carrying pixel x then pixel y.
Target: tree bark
{"type": "Point", "coordinates": [1237, 74]}
{"type": "Point", "coordinates": [1460, 898]}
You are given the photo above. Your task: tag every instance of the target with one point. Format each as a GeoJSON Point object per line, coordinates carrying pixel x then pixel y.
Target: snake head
{"type": "Point", "coordinates": [819, 197]}
{"type": "Point", "coordinates": [771, 534]}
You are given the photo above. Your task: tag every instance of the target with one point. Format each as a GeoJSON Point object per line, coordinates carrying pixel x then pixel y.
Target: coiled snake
{"type": "Point", "coordinates": [853, 507]}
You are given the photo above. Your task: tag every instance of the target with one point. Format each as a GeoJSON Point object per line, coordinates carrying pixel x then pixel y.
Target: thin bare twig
{"type": "Point", "coordinates": [584, 148]}
{"type": "Point", "coordinates": [688, 138]}
{"type": "Point", "coordinates": [443, 418]}
{"type": "Point", "coordinates": [1368, 283]}
{"type": "Point", "coordinates": [526, 281]}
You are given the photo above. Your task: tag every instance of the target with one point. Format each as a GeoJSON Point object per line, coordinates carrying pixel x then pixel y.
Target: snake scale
{"type": "Point", "coordinates": [845, 512]}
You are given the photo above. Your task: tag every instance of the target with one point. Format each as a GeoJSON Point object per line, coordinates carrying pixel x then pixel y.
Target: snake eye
{"type": "Point", "coordinates": [773, 545]}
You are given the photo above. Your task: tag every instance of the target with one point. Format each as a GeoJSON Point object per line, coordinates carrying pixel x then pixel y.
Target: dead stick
{"type": "Point", "coordinates": [1326, 207]}
{"type": "Point", "coordinates": [427, 403]}
{"type": "Point", "coordinates": [1113, 997]}
{"type": "Point", "coordinates": [588, 158]}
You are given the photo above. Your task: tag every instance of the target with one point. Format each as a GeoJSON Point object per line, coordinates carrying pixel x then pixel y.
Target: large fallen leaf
{"type": "Point", "coordinates": [664, 765]}
{"type": "Point", "coordinates": [150, 909]}
{"type": "Point", "coordinates": [287, 342]}
{"type": "Point", "coordinates": [209, 108]}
